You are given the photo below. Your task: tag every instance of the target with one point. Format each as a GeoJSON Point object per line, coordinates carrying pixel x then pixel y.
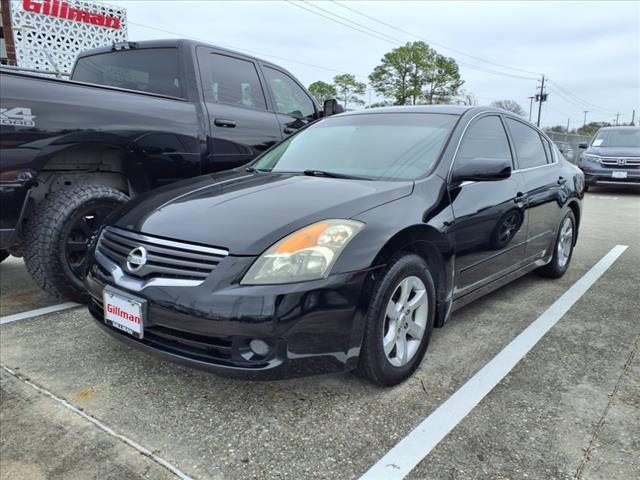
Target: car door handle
{"type": "Point", "coordinates": [223, 122]}
{"type": "Point", "coordinates": [562, 180]}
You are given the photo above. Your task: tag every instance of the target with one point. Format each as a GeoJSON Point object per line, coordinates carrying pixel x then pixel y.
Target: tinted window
{"type": "Point", "coordinates": [389, 146]}
{"type": "Point", "coordinates": [234, 81]}
{"type": "Point", "coordinates": [290, 98]}
{"type": "Point", "coordinates": [528, 145]}
{"type": "Point", "coordinates": [153, 70]}
{"type": "Point", "coordinates": [485, 138]}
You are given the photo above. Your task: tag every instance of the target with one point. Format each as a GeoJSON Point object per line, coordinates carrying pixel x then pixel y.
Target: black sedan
{"type": "Point", "coordinates": [341, 247]}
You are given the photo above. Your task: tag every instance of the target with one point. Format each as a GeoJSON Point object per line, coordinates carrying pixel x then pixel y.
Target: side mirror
{"type": "Point", "coordinates": [331, 107]}
{"type": "Point", "coordinates": [482, 170]}
{"type": "Point", "coordinates": [583, 146]}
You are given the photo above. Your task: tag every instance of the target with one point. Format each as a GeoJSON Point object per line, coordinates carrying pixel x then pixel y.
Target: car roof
{"type": "Point", "coordinates": [444, 109]}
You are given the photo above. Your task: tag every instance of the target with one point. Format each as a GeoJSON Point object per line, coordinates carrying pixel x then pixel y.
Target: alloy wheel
{"type": "Point", "coordinates": [405, 321]}
{"type": "Point", "coordinates": [565, 242]}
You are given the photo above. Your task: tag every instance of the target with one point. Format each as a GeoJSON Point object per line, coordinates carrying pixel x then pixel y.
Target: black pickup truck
{"type": "Point", "coordinates": [133, 117]}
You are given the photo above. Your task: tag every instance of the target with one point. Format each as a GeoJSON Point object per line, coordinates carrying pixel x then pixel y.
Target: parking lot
{"type": "Point", "coordinates": [76, 404]}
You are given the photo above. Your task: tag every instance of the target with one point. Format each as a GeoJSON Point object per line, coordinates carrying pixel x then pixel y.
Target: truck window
{"type": "Point", "coordinates": [290, 98]}
{"type": "Point", "coordinates": [153, 70]}
{"type": "Point", "coordinates": [233, 81]}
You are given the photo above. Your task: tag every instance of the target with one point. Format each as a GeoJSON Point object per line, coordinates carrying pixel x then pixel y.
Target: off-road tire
{"type": "Point", "coordinates": [553, 269]}
{"type": "Point", "coordinates": [373, 364]}
{"type": "Point", "coordinates": [45, 236]}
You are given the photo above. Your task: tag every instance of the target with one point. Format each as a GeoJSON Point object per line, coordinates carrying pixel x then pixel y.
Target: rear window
{"type": "Point", "coordinates": [153, 70]}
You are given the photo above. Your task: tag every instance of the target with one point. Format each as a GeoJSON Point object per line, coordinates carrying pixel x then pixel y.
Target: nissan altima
{"type": "Point", "coordinates": [340, 248]}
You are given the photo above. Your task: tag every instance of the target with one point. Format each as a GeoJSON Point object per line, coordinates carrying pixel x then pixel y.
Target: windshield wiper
{"type": "Point", "coordinates": [256, 170]}
{"type": "Point", "coordinates": [323, 173]}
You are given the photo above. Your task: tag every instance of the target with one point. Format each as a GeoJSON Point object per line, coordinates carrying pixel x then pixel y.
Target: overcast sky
{"type": "Point", "coordinates": [591, 50]}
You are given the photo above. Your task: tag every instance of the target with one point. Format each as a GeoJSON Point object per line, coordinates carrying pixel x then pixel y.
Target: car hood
{"type": "Point", "coordinates": [615, 151]}
{"type": "Point", "coordinates": [248, 212]}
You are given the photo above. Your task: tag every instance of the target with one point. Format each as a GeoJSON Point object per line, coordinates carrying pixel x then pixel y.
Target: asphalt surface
{"type": "Point", "coordinates": [569, 409]}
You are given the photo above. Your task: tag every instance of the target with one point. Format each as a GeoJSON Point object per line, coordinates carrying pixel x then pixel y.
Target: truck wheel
{"type": "Point", "coordinates": [3, 254]}
{"type": "Point", "coordinates": [58, 236]}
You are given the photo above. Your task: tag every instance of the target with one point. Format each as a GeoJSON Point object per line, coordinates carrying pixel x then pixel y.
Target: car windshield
{"type": "Point", "coordinates": [617, 138]}
{"type": "Point", "coordinates": [373, 146]}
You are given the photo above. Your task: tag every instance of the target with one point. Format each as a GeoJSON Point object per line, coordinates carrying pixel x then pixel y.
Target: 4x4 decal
{"type": "Point", "coordinates": [17, 116]}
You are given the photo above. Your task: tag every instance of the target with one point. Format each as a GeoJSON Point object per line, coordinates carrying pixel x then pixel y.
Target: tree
{"type": "Point", "coordinates": [557, 128]}
{"type": "Point", "coordinates": [509, 106]}
{"type": "Point", "coordinates": [466, 98]}
{"type": "Point", "coordinates": [322, 91]}
{"type": "Point", "coordinates": [380, 104]}
{"type": "Point", "coordinates": [348, 89]}
{"type": "Point", "coordinates": [403, 72]}
{"type": "Point", "coordinates": [591, 128]}
{"type": "Point", "coordinates": [414, 73]}
{"type": "Point", "coordinates": [443, 81]}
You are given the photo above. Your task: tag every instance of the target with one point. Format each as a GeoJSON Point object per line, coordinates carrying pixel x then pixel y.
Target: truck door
{"type": "Point", "coordinates": [241, 126]}
{"type": "Point", "coordinates": [293, 106]}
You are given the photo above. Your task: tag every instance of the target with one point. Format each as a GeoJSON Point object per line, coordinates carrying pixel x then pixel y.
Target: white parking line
{"type": "Point", "coordinates": [39, 311]}
{"type": "Point", "coordinates": [410, 451]}
{"type": "Point", "coordinates": [102, 426]}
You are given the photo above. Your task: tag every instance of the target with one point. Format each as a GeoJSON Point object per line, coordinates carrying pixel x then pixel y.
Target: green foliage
{"type": "Point", "coordinates": [322, 91]}
{"type": "Point", "coordinates": [443, 82]}
{"type": "Point", "coordinates": [591, 128]}
{"type": "Point", "coordinates": [415, 73]}
{"type": "Point", "coordinates": [509, 106]}
{"type": "Point", "coordinates": [348, 89]}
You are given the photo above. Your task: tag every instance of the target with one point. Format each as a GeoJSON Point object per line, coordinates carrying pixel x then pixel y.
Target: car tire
{"type": "Point", "coordinates": [562, 248]}
{"type": "Point", "coordinates": [586, 187]}
{"type": "Point", "coordinates": [58, 236]}
{"type": "Point", "coordinates": [3, 255]}
{"type": "Point", "coordinates": [378, 363]}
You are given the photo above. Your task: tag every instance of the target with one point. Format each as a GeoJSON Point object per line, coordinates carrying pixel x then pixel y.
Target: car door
{"type": "Point", "coordinates": [543, 183]}
{"type": "Point", "coordinates": [489, 231]}
{"type": "Point", "coordinates": [294, 107]}
{"type": "Point", "coordinates": [241, 125]}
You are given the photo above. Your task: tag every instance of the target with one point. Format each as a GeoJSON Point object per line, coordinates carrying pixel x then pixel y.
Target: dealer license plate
{"type": "Point", "coordinates": [619, 174]}
{"type": "Point", "coordinates": [124, 312]}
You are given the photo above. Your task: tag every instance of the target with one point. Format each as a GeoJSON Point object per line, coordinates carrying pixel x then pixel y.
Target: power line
{"type": "Point", "coordinates": [242, 50]}
{"type": "Point", "coordinates": [387, 38]}
{"type": "Point", "coordinates": [432, 42]}
{"type": "Point", "coordinates": [571, 94]}
{"type": "Point", "coordinates": [382, 37]}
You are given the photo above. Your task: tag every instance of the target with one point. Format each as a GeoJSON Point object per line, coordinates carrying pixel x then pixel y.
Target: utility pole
{"type": "Point", "coordinates": [585, 117]}
{"type": "Point", "coordinates": [531, 106]}
{"type": "Point", "coordinates": [568, 121]}
{"type": "Point", "coordinates": [633, 119]}
{"type": "Point", "coordinates": [7, 32]}
{"type": "Point", "coordinates": [617, 118]}
{"type": "Point", "coordinates": [542, 98]}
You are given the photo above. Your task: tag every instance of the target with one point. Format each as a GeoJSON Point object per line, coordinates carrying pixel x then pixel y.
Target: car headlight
{"type": "Point", "coordinates": [591, 157]}
{"type": "Point", "coordinates": [308, 254]}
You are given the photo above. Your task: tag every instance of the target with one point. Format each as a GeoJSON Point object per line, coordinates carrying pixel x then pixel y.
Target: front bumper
{"type": "Point", "coordinates": [595, 173]}
{"type": "Point", "coordinates": [311, 327]}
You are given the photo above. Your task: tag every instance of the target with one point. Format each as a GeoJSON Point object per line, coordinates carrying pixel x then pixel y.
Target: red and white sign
{"type": "Point", "coordinates": [123, 313]}
{"type": "Point", "coordinates": [60, 9]}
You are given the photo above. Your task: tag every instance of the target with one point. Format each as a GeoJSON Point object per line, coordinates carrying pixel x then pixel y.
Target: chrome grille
{"type": "Point", "coordinates": [620, 162]}
{"type": "Point", "coordinates": [165, 258]}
